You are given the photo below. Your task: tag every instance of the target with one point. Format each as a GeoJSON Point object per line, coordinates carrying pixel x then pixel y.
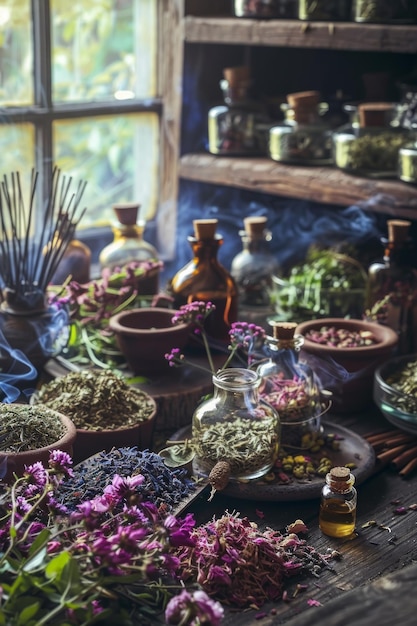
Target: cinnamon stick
{"type": "Point", "coordinates": [395, 441]}
{"type": "Point", "coordinates": [391, 453]}
{"type": "Point", "coordinates": [401, 460]}
{"type": "Point", "coordinates": [407, 469]}
{"type": "Point", "coordinates": [382, 436]}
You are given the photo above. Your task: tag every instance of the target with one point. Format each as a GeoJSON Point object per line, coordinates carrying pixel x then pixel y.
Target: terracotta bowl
{"type": "Point", "coordinates": [91, 442]}
{"type": "Point", "coordinates": [145, 335]}
{"type": "Point", "coordinates": [348, 372]}
{"type": "Point", "coordinates": [17, 461]}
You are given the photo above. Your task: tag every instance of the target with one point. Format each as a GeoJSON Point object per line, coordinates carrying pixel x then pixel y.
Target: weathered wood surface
{"type": "Point", "coordinates": [318, 184]}
{"type": "Point", "coordinates": [346, 595]}
{"type": "Point", "coordinates": [299, 34]}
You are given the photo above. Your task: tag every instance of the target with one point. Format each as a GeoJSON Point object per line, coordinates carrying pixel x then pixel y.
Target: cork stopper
{"type": "Point", "coordinates": [284, 331]}
{"type": "Point", "coordinates": [237, 75]}
{"type": "Point", "coordinates": [340, 474]}
{"type": "Point", "coordinates": [398, 230]}
{"type": "Point", "coordinates": [255, 226]}
{"type": "Point", "coordinates": [374, 114]}
{"type": "Point", "coordinates": [127, 213]}
{"type": "Point", "coordinates": [205, 229]}
{"type": "Point", "coordinates": [304, 99]}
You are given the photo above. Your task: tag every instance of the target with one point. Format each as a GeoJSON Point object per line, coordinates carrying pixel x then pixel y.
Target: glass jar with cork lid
{"type": "Point", "coordinates": [371, 146]}
{"type": "Point", "coordinates": [291, 387]}
{"type": "Point", "coordinates": [253, 269]}
{"type": "Point", "coordinates": [128, 245]}
{"type": "Point", "coordinates": [237, 126]}
{"type": "Point", "coordinates": [304, 137]}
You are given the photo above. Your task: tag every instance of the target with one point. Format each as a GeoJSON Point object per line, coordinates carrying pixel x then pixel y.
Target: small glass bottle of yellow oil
{"type": "Point", "coordinates": [337, 516]}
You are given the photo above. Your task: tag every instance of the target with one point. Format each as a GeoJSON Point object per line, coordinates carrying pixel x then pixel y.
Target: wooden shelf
{"type": "Point", "coordinates": [299, 34]}
{"type": "Point", "coordinates": [318, 184]}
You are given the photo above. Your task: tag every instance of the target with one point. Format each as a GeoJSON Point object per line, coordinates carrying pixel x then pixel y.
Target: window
{"type": "Point", "coordinates": [93, 87]}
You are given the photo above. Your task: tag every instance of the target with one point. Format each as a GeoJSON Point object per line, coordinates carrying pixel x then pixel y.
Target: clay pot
{"type": "Point", "coordinates": [90, 442]}
{"type": "Point", "coordinates": [145, 335]}
{"type": "Point", "coordinates": [348, 372]}
{"type": "Point", "coordinates": [17, 461]}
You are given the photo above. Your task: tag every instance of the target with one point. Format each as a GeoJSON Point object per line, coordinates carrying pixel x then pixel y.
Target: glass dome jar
{"type": "Point", "coordinates": [236, 426]}
{"type": "Point", "coordinates": [384, 11]}
{"type": "Point", "coordinates": [323, 10]}
{"type": "Point", "coordinates": [266, 8]}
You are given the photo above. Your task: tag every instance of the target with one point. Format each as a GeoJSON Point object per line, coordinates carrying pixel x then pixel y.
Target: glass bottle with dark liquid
{"type": "Point", "coordinates": [204, 279]}
{"type": "Point", "coordinates": [337, 516]}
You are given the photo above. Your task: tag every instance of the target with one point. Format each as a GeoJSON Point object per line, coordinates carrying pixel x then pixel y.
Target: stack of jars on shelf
{"type": "Point", "coordinates": [372, 11]}
{"type": "Point", "coordinates": [378, 140]}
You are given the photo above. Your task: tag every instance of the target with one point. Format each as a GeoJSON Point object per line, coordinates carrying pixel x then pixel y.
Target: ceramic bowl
{"type": "Point", "coordinates": [348, 372]}
{"type": "Point", "coordinates": [90, 442]}
{"type": "Point", "coordinates": [399, 408]}
{"type": "Point", "coordinates": [145, 335]}
{"type": "Point", "coordinates": [16, 462]}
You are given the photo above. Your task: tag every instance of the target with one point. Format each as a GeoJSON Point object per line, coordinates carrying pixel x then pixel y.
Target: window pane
{"type": "Point", "coordinates": [117, 156]}
{"type": "Point", "coordinates": [16, 60]}
{"type": "Point", "coordinates": [17, 141]}
{"type": "Point", "coordinates": [103, 49]}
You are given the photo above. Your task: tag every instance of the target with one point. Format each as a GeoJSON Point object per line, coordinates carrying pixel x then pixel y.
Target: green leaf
{"type": "Point", "coordinates": [56, 565]}
{"type": "Point", "coordinates": [28, 612]}
{"type": "Point", "coordinates": [34, 562]}
{"type": "Point", "coordinates": [40, 540]}
{"type": "Point", "coordinates": [178, 455]}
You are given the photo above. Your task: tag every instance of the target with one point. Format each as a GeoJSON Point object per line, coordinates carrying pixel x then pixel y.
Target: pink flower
{"type": "Point", "coordinates": [193, 609]}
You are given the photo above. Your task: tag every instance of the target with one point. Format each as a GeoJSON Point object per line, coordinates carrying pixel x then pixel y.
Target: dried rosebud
{"type": "Point", "coordinates": [400, 510]}
{"type": "Point", "coordinates": [297, 527]}
{"type": "Point", "coordinates": [219, 477]}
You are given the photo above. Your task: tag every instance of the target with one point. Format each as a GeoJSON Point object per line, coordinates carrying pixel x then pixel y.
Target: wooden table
{"type": "Point", "coordinates": [357, 592]}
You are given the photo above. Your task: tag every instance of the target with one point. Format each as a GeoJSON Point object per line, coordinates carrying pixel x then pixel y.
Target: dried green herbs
{"type": "Point", "coordinates": [405, 381]}
{"type": "Point", "coordinates": [96, 400]}
{"type": "Point", "coordinates": [245, 445]}
{"type": "Point", "coordinates": [376, 153]}
{"type": "Point", "coordinates": [24, 427]}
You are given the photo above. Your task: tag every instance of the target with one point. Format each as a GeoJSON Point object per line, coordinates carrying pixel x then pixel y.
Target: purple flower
{"type": "Point", "coordinates": [193, 609]}
{"type": "Point", "coordinates": [193, 313]}
{"type": "Point", "coordinates": [61, 462]}
{"type": "Point", "coordinates": [180, 530]}
{"type": "Point", "coordinates": [37, 474]}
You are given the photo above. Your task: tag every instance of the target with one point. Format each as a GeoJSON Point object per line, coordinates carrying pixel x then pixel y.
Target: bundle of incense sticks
{"type": "Point", "coordinates": [395, 448]}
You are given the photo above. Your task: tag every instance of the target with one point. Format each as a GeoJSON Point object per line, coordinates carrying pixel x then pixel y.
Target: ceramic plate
{"type": "Point", "coordinates": [353, 449]}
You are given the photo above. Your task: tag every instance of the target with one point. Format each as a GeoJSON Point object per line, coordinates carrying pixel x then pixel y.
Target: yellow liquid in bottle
{"type": "Point", "coordinates": [337, 518]}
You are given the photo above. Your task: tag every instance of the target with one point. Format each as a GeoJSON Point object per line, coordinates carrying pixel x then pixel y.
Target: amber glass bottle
{"type": "Point", "coordinates": [205, 279]}
{"type": "Point", "coordinates": [128, 245]}
{"type": "Point", "coordinates": [392, 286]}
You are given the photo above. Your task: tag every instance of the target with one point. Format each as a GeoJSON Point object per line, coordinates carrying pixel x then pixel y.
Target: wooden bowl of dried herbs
{"type": "Point", "coordinates": [29, 433]}
{"type": "Point", "coordinates": [107, 411]}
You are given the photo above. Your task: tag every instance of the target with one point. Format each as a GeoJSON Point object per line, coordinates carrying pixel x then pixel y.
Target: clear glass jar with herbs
{"type": "Point", "coordinates": [235, 427]}
{"type": "Point", "coordinates": [385, 11]}
{"type": "Point", "coordinates": [323, 10]}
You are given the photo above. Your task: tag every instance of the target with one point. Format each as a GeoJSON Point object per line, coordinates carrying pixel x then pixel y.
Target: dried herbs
{"type": "Point", "coordinates": [96, 400]}
{"type": "Point", "coordinates": [24, 428]}
{"type": "Point", "coordinates": [384, 10]}
{"type": "Point", "coordinates": [375, 153]}
{"type": "Point", "coordinates": [405, 381]}
{"type": "Point", "coordinates": [164, 487]}
{"type": "Point", "coordinates": [341, 337]}
{"type": "Point", "coordinates": [244, 566]}
{"type": "Point", "coordinates": [246, 445]}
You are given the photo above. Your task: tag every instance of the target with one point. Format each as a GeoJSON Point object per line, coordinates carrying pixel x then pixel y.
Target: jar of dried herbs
{"type": "Point", "coordinates": [304, 137]}
{"type": "Point", "coordinates": [290, 386]}
{"type": "Point", "coordinates": [265, 8]}
{"type": "Point", "coordinates": [386, 11]}
{"type": "Point", "coordinates": [371, 146]}
{"type": "Point", "coordinates": [236, 427]}
{"type": "Point", "coordinates": [323, 10]}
